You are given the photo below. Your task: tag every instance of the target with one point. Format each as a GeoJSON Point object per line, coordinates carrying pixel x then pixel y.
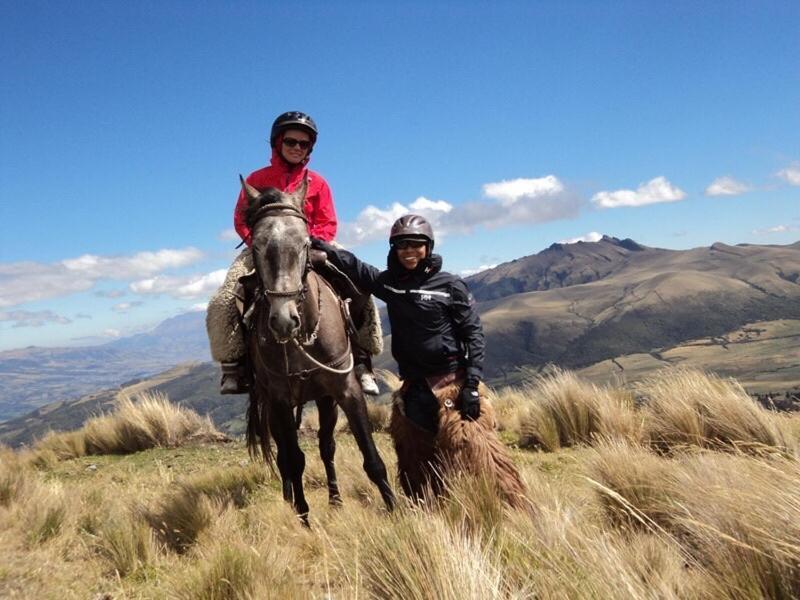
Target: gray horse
{"type": "Point", "coordinates": [299, 350]}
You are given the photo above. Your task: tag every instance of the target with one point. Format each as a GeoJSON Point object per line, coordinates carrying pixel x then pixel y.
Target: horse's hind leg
{"type": "Point", "coordinates": [291, 460]}
{"type": "Point", "coordinates": [353, 405]}
{"type": "Point", "coordinates": [328, 414]}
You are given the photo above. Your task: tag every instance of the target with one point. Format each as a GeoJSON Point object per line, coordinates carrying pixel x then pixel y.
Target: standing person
{"type": "Point", "coordinates": [440, 416]}
{"type": "Point", "coordinates": [292, 140]}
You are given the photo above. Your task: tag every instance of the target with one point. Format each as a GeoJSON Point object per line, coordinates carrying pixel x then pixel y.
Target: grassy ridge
{"type": "Point", "coordinates": [629, 501]}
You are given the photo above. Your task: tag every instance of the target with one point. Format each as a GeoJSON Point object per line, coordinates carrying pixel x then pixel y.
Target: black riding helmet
{"type": "Point", "coordinates": [412, 227]}
{"type": "Point", "coordinates": [293, 120]}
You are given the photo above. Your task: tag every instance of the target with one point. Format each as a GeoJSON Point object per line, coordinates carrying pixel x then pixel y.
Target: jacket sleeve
{"type": "Point", "coordinates": [364, 275]}
{"type": "Point", "coordinates": [239, 219]}
{"type": "Point", "coordinates": [468, 329]}
{"type": "Point", "coordinates": [322, 220]}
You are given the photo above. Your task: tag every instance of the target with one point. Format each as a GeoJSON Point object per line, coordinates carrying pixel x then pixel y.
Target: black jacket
{"type": "Point", "coordinates": [435, 328]}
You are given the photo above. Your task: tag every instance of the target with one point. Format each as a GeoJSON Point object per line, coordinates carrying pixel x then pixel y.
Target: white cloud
{"type": "Point", "coordinates": [187, 288]}
{"type": "Point", "coordinates": [592, 236]}
{"type": "Point", "coordinates": [26, 318]}
{"type": "Point", "coordinates": [128, 267]}
{"type": "Point", "coordinates": [776, 229]}
{"type": "Point", "coordinates": [654, 191]}
{"type": "Point", "coordinates": [199, 307]}
{"type": "Point", "coordinates": [726, 186]}
{"type": "Point", "coordinates": [374, 223]}
{"type": "Point", "coordinates": [229, 235]}
{"type": "Point", "coordinates": [509, 192]}
{"type": "Point", "coordinates": [468, 272]}
{"type": "Point", "coordinates": [112, 333]}
{"type": "Point", "coordinates": [124, 307]}
{"type": "Point", "coordinates": [513, 202]}
{"type": "Point", "coordinates": [29, 281]}
{"type": "Point", "coordinates": [791, 174]}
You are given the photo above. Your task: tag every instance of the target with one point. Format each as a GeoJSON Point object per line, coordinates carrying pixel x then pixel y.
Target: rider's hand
{"type": "Point", "coordinates": [470, 401]}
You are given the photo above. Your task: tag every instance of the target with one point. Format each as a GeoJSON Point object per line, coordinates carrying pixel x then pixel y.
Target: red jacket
{"type": "Point", "coordinates": [319, 200]}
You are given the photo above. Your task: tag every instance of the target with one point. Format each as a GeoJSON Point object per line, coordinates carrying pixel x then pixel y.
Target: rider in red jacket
{"type": "Point", "coordinates": [286, 171]}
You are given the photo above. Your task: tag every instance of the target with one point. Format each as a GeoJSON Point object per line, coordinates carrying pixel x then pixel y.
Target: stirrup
{"type": "Point", "coordinates": [234, 379]}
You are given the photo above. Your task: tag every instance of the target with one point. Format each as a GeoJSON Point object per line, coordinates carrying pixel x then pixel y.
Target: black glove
{"type": "Point", "coordinates": [318, 244]}
{"type": "Point", "coordinates": [470, 401]}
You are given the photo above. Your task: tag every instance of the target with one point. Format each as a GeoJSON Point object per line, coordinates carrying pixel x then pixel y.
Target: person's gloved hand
{"type": "Point", "coordinates": [470, 401]}
{"type": "Point", "coordinates": [318, 244]}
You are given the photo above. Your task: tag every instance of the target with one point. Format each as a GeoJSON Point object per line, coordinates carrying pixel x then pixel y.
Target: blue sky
{"type": "Point", "coordinates": [512, 125]}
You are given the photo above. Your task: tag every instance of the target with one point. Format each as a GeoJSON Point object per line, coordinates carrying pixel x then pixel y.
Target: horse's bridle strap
{"type": "Point", "coordinates": [284, 208]}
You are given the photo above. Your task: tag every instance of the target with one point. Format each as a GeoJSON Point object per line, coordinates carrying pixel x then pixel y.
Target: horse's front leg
{"type": "Point", "coordinates": [291, 460]}
{"type": "Point", "coordinates": [353, 405]}
{"type": "Point", "coordinates": [328, 414]}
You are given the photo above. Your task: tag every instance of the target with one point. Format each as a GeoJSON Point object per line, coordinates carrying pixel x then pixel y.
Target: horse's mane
{"type": "Point", "coordinates": [267, 196]}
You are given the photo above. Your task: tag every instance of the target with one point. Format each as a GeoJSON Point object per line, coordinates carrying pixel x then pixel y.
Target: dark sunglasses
{"type": "Point", "coordinates": [292, 142]}
{"type": "Point", "coordinates": [403, 244]}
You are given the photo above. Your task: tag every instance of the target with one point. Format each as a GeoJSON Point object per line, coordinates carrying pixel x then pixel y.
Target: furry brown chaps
{"type": "Point", "coordinates": [425, 460]}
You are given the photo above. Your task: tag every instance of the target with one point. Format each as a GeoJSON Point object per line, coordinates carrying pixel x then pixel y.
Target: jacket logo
{"type": "Point", "coordinates": [426, 297]}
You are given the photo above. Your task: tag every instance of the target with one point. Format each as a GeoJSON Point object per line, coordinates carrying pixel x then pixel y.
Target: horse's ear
{"type": "Point", "coordinates": [249, 191]}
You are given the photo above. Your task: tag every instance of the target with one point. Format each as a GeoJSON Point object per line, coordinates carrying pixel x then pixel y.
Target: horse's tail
{"type": "Point", "coordinates": [258, 432]}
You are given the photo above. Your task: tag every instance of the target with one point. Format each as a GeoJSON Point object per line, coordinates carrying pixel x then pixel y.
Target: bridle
{"type": "Point", "coordinates": [277, 209]}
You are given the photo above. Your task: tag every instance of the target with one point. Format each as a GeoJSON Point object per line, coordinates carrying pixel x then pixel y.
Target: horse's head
{"type": "Point", "coordinates": [280, 252]}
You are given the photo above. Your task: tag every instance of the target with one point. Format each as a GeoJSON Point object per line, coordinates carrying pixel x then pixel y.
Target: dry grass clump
{"type": "Point", "coordinates": [67, 445]}
{"type": "Point", "coordinates": [736, 518]}
{"type": "Point", "coordinates": [185, 511]}
{"type": "Point", "coordinates": [691, 408]}
{"type": "Point", "coordinates": [740, 517]}
{"type": "Point", "coordinates": [564, 551]}
{"type": "Point", "coordinates": [566, 411]}
{"type": "Point", "coordinates": [631, 481]}
{"type": "Point", "coordinates": [127, 543]}
{"type": "Point", "coordinates": [14, 477]}
{"type": "Point", "coordinates": [413, 556]}
{"type": "Point", "coordinates": [151, 422]}
{"type": "Point", "coordinates": [44, 512]}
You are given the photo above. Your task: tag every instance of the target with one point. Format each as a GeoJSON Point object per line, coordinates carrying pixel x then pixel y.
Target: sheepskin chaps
{"type": "Point", "coordinates": [370, 334]}
{"type": "Point", "coordinates": [225, 337]}
{"type": "Point", "coordinates": [425, 460]}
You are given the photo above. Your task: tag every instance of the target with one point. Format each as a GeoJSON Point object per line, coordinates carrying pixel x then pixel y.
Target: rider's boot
{"type": "Point", "coordinates": [364, 373]}
{"type": "Point", "coordinates": [234, 379]}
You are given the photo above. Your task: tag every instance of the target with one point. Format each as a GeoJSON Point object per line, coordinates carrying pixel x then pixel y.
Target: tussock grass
{"type": "Point", "coordinates": [740, 517]}
{"type": "Point", "coordinates": [566, 411]}
{"type": "Point", "coordinates": [14, 477]}
{"type": "Point", "coordinates": [64, 446]}
{"type": "Point", "coordinates": [127, 543]}
{"type": "Point", "coordinates": [410, 557]}
{"type": "Point", "coordinates": [44, 512]}
{"type": "Point", "coordinates": [631, 481]}
{"type": "Point", "coordinates": [189, 508]}
{"type": "Point", "coordinates": [733, 516]}
{"type": "Point", "coordinates": [691, 408]}
{"type": "Point", "coordinates": [149, 423]}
